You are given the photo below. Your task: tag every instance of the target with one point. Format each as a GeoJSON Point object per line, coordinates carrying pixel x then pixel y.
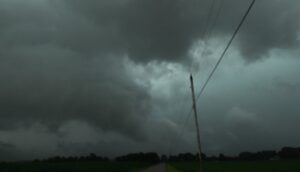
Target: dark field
{"type": "Point", "coordinates": [226, 166]}
{"type": "Point", "coordinates": [73, 167]}
{"type": "Point", "coordinates": [238, 166]}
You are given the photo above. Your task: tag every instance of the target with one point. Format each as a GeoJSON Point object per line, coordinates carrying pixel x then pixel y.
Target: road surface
{"type": "Point", "coordinates": [157, 168]}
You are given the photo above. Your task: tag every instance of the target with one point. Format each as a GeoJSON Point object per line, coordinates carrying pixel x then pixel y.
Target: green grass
{"type": "Point", "coordinates": [171, 169]}
{"type": "Point", "coordinates": [237, 166]}
{"type": "Point", "coordinates": [74, 167]}
{"type": "Point", "coordinates": [233, 166]}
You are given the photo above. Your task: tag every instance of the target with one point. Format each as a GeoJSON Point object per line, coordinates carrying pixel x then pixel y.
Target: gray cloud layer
{"type": "Point", "coordinates": [146, 30]}
{"type": "Point", "coordinates": [51, 85]}
{"type": "Point", "coordinates": [117, 68]}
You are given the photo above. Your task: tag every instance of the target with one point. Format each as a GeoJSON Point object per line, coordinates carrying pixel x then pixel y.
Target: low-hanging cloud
{"type": "Point", "coordinates": [148, 30]}
{"type": "Point", "coordinates": [166, 30]}
{"type": "Point", "coordinates": [109, 65]}
{"type": "Point", "coordinates": [51, 85]}
{"type": "Point", "coordinates": [271, 25]}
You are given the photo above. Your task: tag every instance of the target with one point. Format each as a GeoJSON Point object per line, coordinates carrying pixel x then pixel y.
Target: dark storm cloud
{"type": "Point", "coordinates": [51, 71]}
{"type": "Point", "coordinates": [4, 145]}
{"type": "Point", "coordinates": [6, 151]}
{"type": "Point", "coordinates": [146, 30]}
{"type": "Point", "coordinates": [272, 24]}
{"type": "Point", "coordinates": [155, 29]}
{"type": "Point", "coordinates": [150, 29]}
{"type": "Point", "coordinates": [64, 60]}
{"type": "Point", "coordinates": [51, 85]}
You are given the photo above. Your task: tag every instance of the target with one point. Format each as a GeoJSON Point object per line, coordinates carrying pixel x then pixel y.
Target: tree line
{"type": "Point", "coordinates": [152, 157]}
{"type": "Point", "coordinates": [284, 153]}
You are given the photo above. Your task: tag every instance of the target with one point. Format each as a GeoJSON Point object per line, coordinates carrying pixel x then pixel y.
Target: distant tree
{"type": "Point", "coordinates": [90, 157]}
{"type": "Point", "coordinates": [212, 158]}
{"type": "Point", "coordinates": [222, 157]}
{"type": "Point", "coordinates": [289, 153]}
{"type": "Point", "coordinates": [266, 155]}
{"type": "Point", "coordinates": [145, 157]}
{"type": "Point", "coordinates": [261, 155]}
{"type": "Point", "coordinates": [246, 156]}
{"type": "Point", "coordinates": [163, 158]}
{"type": "Point", "coordinates": [203, 156]}
{"type": "Point", "coordinates": [186, 157]}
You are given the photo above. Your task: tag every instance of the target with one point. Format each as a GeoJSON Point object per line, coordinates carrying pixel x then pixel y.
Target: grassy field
{"type": "Point", "coordinates": [171, 169]}
{"type": "Point", "coordinates": [74, 167]}
{"type": "Point", "coordinates": [237, 166]}
{"type": "Point", "coordinates": [234, 166]}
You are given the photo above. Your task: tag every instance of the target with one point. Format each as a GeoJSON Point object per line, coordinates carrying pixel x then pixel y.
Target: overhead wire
{"type": "Point", "coordinates": [225, 50]}
{"type": "Point", "coordinates": [204, 32]}
{"type": "Point", "coordinates": [219, 60]}
{"type": "Point", "coordinates": [207, 37]}
{"type": "Point", "coordinates": [188, 116]}
{"type": "Point", "coordinates": [180, 117]}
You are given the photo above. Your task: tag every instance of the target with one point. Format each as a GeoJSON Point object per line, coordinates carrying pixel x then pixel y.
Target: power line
{"type": "Point", "coordinates": [182, 129]}
{"type": "Point", "coordinates": [226, 48]}
{"type": "Point", "coordinates": [218, 62]}
{"type": "Point", "coordinates": [208, 18]}
{"type": "Point", "coordinates": [205, 38]}
{"type": "Point", "coordinates": [204, 32]}
{"type": "Point", "coordinates": [216, 17]}
{"type": "Point", "coordinates": [180, 117]}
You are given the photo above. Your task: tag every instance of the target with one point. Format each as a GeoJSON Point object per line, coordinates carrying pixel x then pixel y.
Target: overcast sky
{"type": "Point", "coordinates": [112, 76]}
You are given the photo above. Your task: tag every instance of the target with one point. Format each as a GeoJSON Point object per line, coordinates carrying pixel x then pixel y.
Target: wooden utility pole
{"type": "Point", "coordinates": [196, 122]}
